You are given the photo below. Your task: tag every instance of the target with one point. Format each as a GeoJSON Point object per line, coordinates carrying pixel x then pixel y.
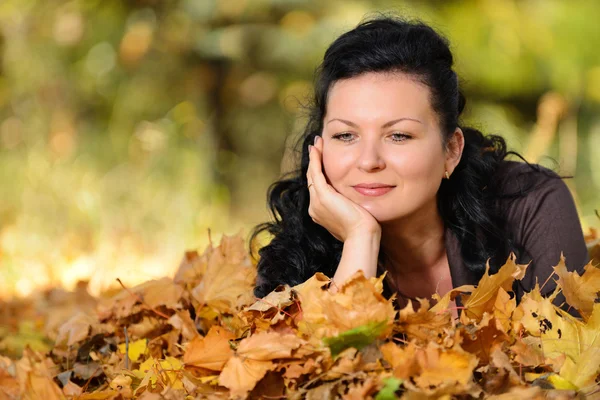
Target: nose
{"type": "Point", "coordinates": [370, 157]}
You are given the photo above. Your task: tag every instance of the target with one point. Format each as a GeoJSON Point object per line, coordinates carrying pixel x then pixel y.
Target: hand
{"type": "Point", "coordinates": [341, 216]}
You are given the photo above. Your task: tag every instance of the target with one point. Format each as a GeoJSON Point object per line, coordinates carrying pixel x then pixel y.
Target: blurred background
{"type": "Point", "coordinates": [129, 128]}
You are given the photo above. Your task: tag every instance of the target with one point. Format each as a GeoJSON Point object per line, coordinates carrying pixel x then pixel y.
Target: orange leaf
{"type": "Point", "coordinates": [266, 346]}
{"type": "Point", "coordinates": [241, 374]}
{"type": "Point", "coordinates": [210, 352]}
{"type": "Point", "coordinates": [228, 284]}
{"type": "Point", "coordinates": [580, 292]}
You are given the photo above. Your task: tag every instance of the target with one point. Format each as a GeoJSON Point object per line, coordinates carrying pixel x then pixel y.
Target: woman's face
{"type": "Point", "coordinates": [392, 137]}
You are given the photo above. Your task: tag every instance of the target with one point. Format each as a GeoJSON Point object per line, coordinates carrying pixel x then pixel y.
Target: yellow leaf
{"type": "Point", "coordinates": [561, 383]}
{"type": "Point", "coordinates": [484, 296]}
{"type": "Point", "coordinates": [580, 291]}
{"type": "Point", "coordinates": [136, 349]}
{"type": "Point", "coordinates": [165, 372]}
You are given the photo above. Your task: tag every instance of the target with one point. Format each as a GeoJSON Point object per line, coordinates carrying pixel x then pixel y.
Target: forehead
{"type": "Point", "coordinates": [372, 97]}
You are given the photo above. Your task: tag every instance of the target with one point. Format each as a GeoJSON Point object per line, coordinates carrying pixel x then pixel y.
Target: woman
{"type": "Point", "coordinates": [391, 181]}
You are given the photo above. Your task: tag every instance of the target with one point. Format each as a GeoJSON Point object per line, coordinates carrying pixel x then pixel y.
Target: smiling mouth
{"type": "Point", "coordinates": [373, 191]}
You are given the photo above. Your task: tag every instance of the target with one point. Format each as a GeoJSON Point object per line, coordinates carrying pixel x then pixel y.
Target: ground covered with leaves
{"type": "Point", "coordinates": [204, 335]}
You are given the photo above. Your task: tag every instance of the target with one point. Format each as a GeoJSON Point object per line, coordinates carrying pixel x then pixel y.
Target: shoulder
{"type": "Point", "coordinates": [514, 177]}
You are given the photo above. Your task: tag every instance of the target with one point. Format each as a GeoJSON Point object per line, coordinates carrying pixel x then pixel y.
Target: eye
{"type": "Point", "coordinates": [400, 137]}
{"type": "Point", "coordinates": [344, 136]}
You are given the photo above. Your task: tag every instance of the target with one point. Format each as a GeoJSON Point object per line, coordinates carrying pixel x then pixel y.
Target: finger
{"type": "Point", "coordinates": [309, 178]}
{"type": "Point", "coordinates": [316, 168]}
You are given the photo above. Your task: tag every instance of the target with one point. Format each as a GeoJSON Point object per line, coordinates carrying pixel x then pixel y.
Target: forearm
{"type": "Point", "coordinates": [359, 252]}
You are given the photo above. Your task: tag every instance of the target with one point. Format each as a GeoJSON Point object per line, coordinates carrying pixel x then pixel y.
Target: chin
{"type": "Point", "coordinates": [380, 213]}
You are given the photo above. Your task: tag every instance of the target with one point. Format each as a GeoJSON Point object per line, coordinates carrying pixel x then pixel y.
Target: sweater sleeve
{"type": "Point", "coordinates": [548, 225]}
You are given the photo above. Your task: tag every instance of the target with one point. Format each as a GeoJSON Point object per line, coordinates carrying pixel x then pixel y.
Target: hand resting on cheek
{"type": "Point", "coordinates": [342, 217]}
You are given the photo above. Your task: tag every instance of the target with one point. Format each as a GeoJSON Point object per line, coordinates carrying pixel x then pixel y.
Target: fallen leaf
{"type": "Point", "coordinates": [582, 291]}
{"type": "Point", "coordinates": [241, 374]}
{"type": "Point", "coordinates": [210, 352]}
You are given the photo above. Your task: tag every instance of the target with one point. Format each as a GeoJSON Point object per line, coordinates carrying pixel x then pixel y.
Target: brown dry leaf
{"type": "Point", "coordinates": [582, 291]}
{"type": "Point", "coordinates": [75, 329]}
{"type": "Point", "coordinates": [482, 338]}
{"type": "Point", "coordinates": [484, 296]}
{"type": "Point", "coordinates": [279, 298]}
{"type": "Point", "coordinates": [528, 351]}
{"type": "Point", "coordinates": [9, 386]}
{"type": "Point", "coordinates": [295, 369]}
{"type": "Point", "coordinates": [154, 293]}
{"type": "Point", "coordinates": [499, 359]}
{"type": "Point", "coordinates": [443, 303]}
{"type": "Point", "coordinates": [423, 325]}
{"type": "Point", "coordinates": [503, 309]}
{"type": "Point", "coordinates": [182, 321]}
{"type": "Point", "coordinates": [161, 292]}
{"type": "Point", "coordinates": [362, 391]}
{"type": "Point", "coordinates": [359, 302]}
{"type": "Point", "coordinates": [433, 369]}
{"type": "Point", "coordinates": [241, 374]}
{"type": "Point", "coordinates": [266, 346]}
{"type": "Point", "coordinates": [521, 393]}
{"type": "Point", "coordinates": [228, 284]}
{"type": "Point", "coordinates": [210, 352]}
{"type": "Point", "coordinates": [35, 376]}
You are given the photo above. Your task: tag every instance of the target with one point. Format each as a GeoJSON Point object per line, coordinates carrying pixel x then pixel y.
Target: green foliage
{"type": "Point", "coordinates": [358, 338]}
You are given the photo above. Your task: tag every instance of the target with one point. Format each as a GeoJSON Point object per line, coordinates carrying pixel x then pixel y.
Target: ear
{"type": "Point", "coordinates": [454, 150]}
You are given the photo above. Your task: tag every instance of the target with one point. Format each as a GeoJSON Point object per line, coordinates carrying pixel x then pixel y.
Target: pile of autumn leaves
{"type": "Point", "coordinates": [204, 335]}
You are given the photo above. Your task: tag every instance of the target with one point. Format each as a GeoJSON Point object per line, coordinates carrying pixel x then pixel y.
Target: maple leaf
{"type": "Point", "coordinates": [484, 296]}
{"type": "Point", "coordinates": [35, 375]}
{"type": "Point", "coordinates": [228, 283]}
{"type": "Point", "coordinates": [359, 302]}
{"type": "Point", "coordinates": [210, 352]}
{"type": "Point", "coordinates": [528, 351]}
{"type": "Point", "coordinates": [582, 291]}
{"type": "Point", "coordinates": [182, 322]}
{"type": "Point", "coordinates": [75, 329]}
{"type": "Point", "coordinates": [424, 324]}
{"type": "Point", "coordinates": [150, 294]}
{"type": "Point", "coordinates": [265, 346]}
{"type": "Point", "coordinates": [241, 374]}
{"type": "Point", "coordinates": [504, 307]}
{"type": "Point", "coordinates": [562, 334]}
{"type": "Point", "coordinates": [154, 372]}
{"type": "Point", "coordinates": [433, 369]}
{"type": "Point", "coordinates": [443, 303]}
{"type": "Point", "coordinates": [482, 338]}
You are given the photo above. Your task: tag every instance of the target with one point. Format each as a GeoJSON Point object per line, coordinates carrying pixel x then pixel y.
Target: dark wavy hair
{"type": "Point", "coordinates": [301, 247]}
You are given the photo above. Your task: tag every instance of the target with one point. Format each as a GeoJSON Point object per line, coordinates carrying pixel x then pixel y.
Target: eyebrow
{"type": "Point", "coordinates": [387, 124]}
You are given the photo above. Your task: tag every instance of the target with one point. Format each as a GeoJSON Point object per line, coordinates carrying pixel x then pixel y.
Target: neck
{"type": "Point", "coordinates": [414, 245]}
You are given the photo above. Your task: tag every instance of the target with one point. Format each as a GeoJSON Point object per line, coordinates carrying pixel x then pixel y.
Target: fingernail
{"type": "Point", "coordinates": [316, 139]}
{"type": "Point", "coordinates": [309, 148]}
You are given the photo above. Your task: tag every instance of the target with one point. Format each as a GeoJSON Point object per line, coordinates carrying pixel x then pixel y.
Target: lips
{"type": "Point", "coordinates": [373, 189]}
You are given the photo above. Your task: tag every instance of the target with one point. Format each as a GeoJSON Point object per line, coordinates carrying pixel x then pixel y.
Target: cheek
{"type": "Point", "coordinates": [335, 164]}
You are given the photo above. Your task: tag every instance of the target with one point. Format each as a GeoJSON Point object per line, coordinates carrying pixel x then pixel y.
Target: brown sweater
{"type": "Point", "coordinates": [544, 222]}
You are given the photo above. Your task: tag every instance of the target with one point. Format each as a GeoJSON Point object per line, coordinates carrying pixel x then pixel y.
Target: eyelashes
{"type": "Point", "coordinates": [347, 137]}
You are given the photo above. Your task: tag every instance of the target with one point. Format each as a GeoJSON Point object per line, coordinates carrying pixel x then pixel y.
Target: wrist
{"type": "Point", "coordinates": [365, 234]}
